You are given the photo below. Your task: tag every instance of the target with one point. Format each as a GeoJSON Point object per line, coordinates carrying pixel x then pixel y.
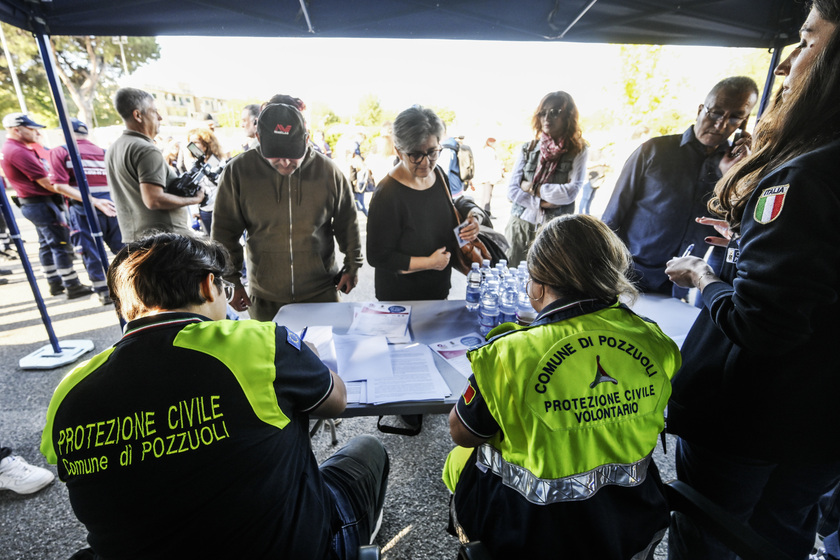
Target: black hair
{"type": "Point", "coordinates": [164, 271]}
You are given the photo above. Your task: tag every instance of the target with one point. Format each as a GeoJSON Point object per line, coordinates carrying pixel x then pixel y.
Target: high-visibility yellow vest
{"type": "Point", "coordinates": [580, 403]}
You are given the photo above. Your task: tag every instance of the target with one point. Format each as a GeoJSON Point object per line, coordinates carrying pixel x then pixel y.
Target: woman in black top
{"type": "Point", "coordinates": [410, 229]}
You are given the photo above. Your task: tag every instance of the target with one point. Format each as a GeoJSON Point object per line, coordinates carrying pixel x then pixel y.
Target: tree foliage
{"type": "Point", "coordinates": [30, 73]}
{"type": "Point", "coordinates": [87, 66]}
{"type": "Point", "coordinates": [446, 114]}
{"type": "Point", "coordinates": [321, 116]}
{"type": "Point", "coordinates": [370, 111]}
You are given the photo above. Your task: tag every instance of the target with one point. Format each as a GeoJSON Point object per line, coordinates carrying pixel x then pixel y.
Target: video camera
{"type": "Point", "coordinates": [188, 184]}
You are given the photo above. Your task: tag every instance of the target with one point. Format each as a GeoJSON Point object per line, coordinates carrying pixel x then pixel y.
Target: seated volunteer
{"type": "Point", "coordinates": [558, 423]}
{"type": "Point", "coordinates": [189, 437]}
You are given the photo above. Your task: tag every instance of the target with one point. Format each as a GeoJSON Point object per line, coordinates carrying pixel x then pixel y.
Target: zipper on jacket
{"type": "Point", "coordinates": [291, 248]}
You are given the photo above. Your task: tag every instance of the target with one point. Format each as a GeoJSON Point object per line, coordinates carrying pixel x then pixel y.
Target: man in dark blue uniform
{"type": "Point", "coordinates": [668, 180]}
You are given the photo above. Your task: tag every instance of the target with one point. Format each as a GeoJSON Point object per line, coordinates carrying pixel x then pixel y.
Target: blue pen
{"type": "Point", "coordinates": [688, 251]}
{"type": "Point", "coordinates": [303, 332]}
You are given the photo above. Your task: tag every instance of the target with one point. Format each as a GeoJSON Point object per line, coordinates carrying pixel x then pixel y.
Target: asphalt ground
{"type": "Point", "coordinates": [42, 526]}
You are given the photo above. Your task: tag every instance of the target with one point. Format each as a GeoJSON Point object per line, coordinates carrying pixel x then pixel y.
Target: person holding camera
{"type": "Point", "coordinates": [138, 173]}
{"type": "Point", "coordinates": [295, 203]}
{"type": "Point", "coordinates": [212, 162]}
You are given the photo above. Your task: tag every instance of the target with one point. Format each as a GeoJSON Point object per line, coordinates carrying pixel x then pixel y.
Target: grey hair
{"type": "Point", "coordinates": [253, 108]}
{"type": "Point", "coordinates": [739, 85]}
{"type": "Point", "coordinates": [127, 99]}
{"type": "Point", "coordinates": [414, 126]}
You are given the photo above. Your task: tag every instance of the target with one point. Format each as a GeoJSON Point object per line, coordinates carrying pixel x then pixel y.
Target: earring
{"type": "Point", "coordinates": [528, 291]}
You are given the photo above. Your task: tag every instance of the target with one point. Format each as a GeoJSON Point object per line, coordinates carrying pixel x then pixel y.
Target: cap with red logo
{"type": "Point", "coordinates": [282, 132]}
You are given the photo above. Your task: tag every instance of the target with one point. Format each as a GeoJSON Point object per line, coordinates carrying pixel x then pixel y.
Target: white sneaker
{"type": "Point", "coordinates": [19, 476]}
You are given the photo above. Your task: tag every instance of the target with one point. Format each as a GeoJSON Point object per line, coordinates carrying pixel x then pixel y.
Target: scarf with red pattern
{"type": "Point", "coordinates": [550, 152]}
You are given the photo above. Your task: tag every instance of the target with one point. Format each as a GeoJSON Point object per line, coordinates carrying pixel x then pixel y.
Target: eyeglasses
{"type": "Point", "coordinates": [228, 288]}
{"type": "Point", "coordinates": [417, 157]}
{"type": "Point", "coordinates": [552, 113]}
{"type": "Point", "coordinates": [715, 116]}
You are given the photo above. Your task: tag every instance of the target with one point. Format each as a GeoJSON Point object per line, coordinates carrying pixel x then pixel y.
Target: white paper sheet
{"type": "Point", "coordinates": [322, 338]}
{"type": "Point", "coordinates": [416, 378]}
{"type": "Point", "coordinates": [381, 319]}
{"type": "Point", "coordinates": [356, 392]}
{"type": "Point", "coordinates": [454, 351]}
{"type": "Point", "coordinates": [362, 357]}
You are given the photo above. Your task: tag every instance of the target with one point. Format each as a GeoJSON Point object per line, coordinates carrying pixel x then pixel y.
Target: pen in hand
{"type": "Point", "coordinates": [687, 252]}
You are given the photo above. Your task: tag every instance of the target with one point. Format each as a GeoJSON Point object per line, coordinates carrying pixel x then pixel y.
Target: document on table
{"type": "Point", "coordinates": [362, 357]}
{"type": "Point", "coordinates": [356, 392]}
{"type": "Point", "coordinates": [454, 351]}
{"type": "Point", "coordinates": [382, 319]}
{"type": "Point", "coordinates": [415, 378]}
{"type": "Point", "coordinates": [322, 338]}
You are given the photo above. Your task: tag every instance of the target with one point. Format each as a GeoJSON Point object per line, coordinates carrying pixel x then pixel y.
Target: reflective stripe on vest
{"type": "Point", "coordinates": [572, 488]}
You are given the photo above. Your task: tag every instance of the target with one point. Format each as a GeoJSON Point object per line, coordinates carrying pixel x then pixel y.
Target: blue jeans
{"type": "Point", "coordinates": [206, 221]}
{"type": "Point", "coordinates": [777, 500]}
{"type": "Point", "coordinates": [357, 476]}
{"type": "Point", "coordinates": [54, 249]}
{"type": "Point", "coordinates": [83, 239]}
{"type": "Point", "coordinates": [360, 203]}
{"type": "Point", "coordinates": [587, 194]}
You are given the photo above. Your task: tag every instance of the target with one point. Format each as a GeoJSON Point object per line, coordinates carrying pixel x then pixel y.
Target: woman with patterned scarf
{"type": "Point", "coordinates": [549, 172]}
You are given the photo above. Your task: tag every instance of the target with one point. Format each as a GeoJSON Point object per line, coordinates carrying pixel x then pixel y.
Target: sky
{"type": "Point", "coordinates": [489, 84]}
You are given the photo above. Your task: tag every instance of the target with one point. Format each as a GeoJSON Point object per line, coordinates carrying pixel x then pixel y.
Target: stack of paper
{"type": "Point", "coordinates": [373, 370]}
{"type": "Point", "coordinates": [415, 378]}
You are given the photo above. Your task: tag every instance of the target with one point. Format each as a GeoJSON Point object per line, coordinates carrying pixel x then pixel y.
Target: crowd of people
{"type": "Point", "coordinates": [539, 465]}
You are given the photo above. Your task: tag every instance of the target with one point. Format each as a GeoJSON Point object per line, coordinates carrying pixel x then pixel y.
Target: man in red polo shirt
{"type": "Point", "coordinates": [63, 178]}
{"type": "Point", "coordinates": [39, 205]}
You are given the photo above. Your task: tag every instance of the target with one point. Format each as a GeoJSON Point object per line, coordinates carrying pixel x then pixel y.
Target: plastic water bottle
{"type": "Point", "coordinates": [488, 312]}
{"type": "Point", "coordinates": [502, 272]}
{"type": "Point", "coordinates": [485, 269]}
{"type": "Point", "coordinates": [473, 288]}
{"type": "Point", "coordinates": [525, 313]}
{"type": "Point", "coordinates": [508, 301]}
{"type": "Point", "coordinates": [492, 283]}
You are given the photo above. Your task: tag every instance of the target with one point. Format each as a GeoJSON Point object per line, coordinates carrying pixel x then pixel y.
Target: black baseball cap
{"type": "Point", "coordinates": [282, 132]}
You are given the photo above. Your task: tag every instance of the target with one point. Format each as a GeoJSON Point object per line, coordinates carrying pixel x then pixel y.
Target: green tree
{"type": "Point", "coordinates": [87, 63]}
{"type": "Point", "coordinates": [370, 111]}
{"type": "Point", "coordinates": [30, 73]}
{"type": "Point", "coordinates": [446, 114]}
{"type": "Point", "coordinates": [321, 116]}
{"type": "Point", "coordinates": [651, 97]}
{"type": "Point", "coordinates": [87, 68]}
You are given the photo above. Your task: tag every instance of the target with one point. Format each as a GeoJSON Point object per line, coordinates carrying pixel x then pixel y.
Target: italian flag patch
{"type": "Point", "coordinates": [770, 203]}
{"type": "Point", "coordinates": [469, 394]}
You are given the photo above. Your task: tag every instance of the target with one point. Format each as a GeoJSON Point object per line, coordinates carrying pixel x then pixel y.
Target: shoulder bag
{"type": "Point", "coordinates": [474, 251]}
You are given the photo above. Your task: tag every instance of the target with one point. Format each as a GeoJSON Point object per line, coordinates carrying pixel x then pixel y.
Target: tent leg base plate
{"type": "Point", "coordinates": [46, 357]}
